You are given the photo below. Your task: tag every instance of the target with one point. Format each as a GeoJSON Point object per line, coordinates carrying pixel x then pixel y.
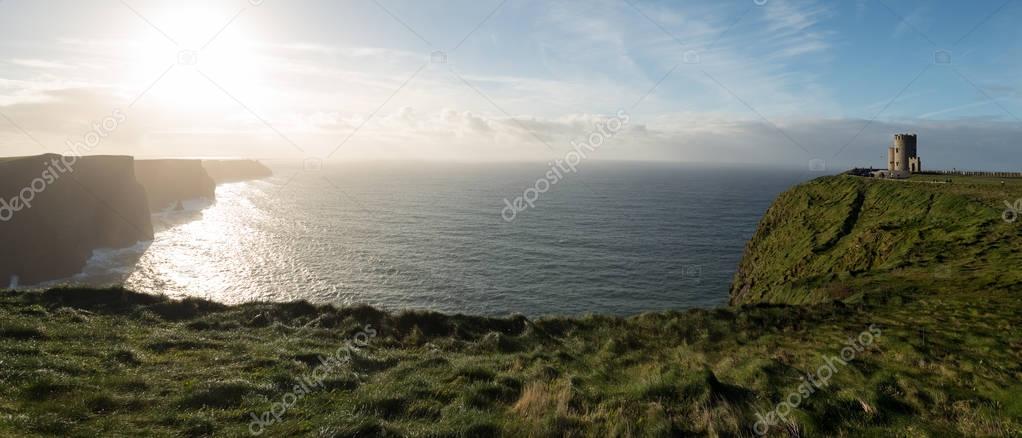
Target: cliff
{"type": "Point", "coordinates": [53, 216]}
{"type": "Point", "coordinates": [54, 211]}
{"type": "Point", "coordinates": [223, 171]}
{"type": "Point", "coordinates": [840, 237]}
{"type": "Point", "coordinates": [169, 181]}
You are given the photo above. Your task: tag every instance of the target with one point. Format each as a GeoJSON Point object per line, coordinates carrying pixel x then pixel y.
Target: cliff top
{"type": "Point", "coordinates": [50, 155]}
{"type": "Point", "coordinates": [838, 237]}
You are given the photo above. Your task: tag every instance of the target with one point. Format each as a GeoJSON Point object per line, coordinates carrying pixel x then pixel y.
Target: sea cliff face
{"type": "Point", "coordinates": [168, 182]}
{"type": "Point", "coordinates": [839, 237]}
{"type": "Point", "coordinates": [223, 171]}
{"type": "Point", "coordinates": [56, 210]}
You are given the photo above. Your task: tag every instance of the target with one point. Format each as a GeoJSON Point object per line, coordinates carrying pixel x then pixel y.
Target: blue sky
{"type": "Point", "coordinates": [780, 82]}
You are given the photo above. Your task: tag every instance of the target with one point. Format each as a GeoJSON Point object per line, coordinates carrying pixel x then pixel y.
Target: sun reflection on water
{"type": "Point", "coordinates": [203, 253]}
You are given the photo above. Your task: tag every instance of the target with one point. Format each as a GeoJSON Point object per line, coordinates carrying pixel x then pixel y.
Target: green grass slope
{"type": "Point", "coordinates": [111, 362]}
{"type": "Point", "coordinates": [836, 237]}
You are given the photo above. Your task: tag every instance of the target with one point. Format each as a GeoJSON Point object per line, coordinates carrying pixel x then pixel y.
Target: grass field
{"type": "Point", "coordinates": [969, 180]}
{"type": "Point", "coordinates": [91, 363]}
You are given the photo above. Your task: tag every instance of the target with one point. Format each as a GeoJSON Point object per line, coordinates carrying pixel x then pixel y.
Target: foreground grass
{"type": "Point", "coordinates": [100, 362]}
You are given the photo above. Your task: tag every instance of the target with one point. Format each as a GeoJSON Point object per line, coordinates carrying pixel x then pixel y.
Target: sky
{"type": "Point", "coordinates": [783, 82]}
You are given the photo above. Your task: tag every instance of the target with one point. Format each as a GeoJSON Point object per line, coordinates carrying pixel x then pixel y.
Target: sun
{"type": "Point", "coordinates": [199, 58]}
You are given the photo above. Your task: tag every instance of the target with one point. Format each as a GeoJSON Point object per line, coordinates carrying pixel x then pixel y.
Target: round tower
{"type": "Point", "coordinates": [901, 145]}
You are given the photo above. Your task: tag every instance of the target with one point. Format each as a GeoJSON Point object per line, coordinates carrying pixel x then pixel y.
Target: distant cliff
{"type": "Point", "coordinates": [168, 182]}
{"type": "Point", "coordinates": [52, 215]}
{"type": "Point", "coordinates": [54, 211]}
{"type": "Point", "coordinates": [223, 171]}
{"type": "Point", "coordinates": [836, 237]}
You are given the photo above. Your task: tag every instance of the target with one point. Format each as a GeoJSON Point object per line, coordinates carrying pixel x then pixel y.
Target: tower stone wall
{"type": "Point", "coordinates": [915, 165]}
{"type": "Point", "coordinates": [903, 155]}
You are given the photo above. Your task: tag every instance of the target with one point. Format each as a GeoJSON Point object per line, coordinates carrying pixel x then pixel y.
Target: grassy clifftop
{"type": "Point", "coordinates": [839, 237]}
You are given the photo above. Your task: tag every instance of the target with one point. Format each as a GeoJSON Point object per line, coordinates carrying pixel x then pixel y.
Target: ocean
{"type": "Point", "coordinates": [613, 238]}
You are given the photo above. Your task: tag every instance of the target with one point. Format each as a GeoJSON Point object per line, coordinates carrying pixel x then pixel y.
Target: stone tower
{"type": "Point", "coordinates": [903, 156]}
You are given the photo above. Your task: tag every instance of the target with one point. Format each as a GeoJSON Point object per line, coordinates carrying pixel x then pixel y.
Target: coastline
{"type": "Point", "coordinates": [882, 359]}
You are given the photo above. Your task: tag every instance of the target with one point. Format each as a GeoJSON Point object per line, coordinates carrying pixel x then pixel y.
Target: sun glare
{"type": "Point", "coordinates": [205, 56]}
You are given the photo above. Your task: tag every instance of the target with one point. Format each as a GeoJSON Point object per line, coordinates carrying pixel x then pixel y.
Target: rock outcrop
{"type": "Point", "coordinates": [223, 171]}
{"type": "Point", "coordinates": [168, 182]}
{"type": "Point", "coordinates": [54, 211]}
